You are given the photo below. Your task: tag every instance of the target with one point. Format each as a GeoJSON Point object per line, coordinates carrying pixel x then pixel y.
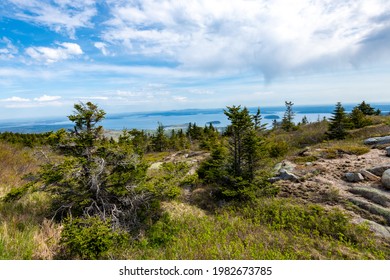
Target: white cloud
{"type": "Point", "coordinates": [51, 55]}
{"type": "Point", "coordinates": [7, 49]}
{"type": "Point", "coordinates": [93, 98]}
{"type": "Point", "coordinates": [34, 105]}
{"type": "Point", "coordinates": [270, 37]}
{"type": "Point", "coordinates": [46, 98]}
{"type": "Point", "coordinates": [63, 16]}
{"type": "Point", "coordinates": [103, 48]}
{"type": "Point", "coordinates": [15, 99]}
{"type": "Point", "coordinates": [180, 98]}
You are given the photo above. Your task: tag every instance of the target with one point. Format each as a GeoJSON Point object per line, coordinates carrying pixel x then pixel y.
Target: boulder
{"type": "Point", "coordinates": [286, 175]}
{"type": "Point", "coordinates": [388, 151]}
{"type": "Point", "coordinates": [285, 165]}
{"type": "Point", "coordinates": [378, 170]}
{"type": "Point", "coordinates": [386, 179]}
{"type": "Point", "coordinates": [377, 140]}
{"type": "Point", "coordinates": [353, 177]}
{"type": "Point", "coordinates": [368, 175]}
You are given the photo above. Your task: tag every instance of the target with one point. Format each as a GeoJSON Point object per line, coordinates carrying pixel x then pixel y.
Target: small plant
{"type": "Point", "coordinates": [278, 149]}
{"type": "Point", "coordinates": [162, 232]}
{"type": "Point", "coordinates": [16, 193]}
{"type": "Point", "coordinates": [89, 238]}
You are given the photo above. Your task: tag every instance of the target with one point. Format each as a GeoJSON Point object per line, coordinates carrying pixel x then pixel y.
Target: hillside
{"type": "Point", "coordinates": [313, 213]}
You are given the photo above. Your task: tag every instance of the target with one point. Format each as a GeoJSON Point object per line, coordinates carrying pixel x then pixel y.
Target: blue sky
{"type": "Point", "coordinates": [158, 55]}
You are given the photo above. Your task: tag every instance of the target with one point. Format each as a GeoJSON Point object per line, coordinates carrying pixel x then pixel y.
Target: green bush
{"type": "Point", "coordinates": [89, 238]}
{"type": "Point", "coordinates": [278, 149]}
{"type": "Point", "coordinates": [16, 193]}
{"type": "Point", "coordinates": [162, 232]}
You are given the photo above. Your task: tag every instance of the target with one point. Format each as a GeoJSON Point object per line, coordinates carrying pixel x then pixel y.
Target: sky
{"type": "Point", "coordinates": [149, 55]}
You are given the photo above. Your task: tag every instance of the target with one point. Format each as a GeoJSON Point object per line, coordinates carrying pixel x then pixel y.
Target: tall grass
{"type": "Point", "coordinates": [24, 232]}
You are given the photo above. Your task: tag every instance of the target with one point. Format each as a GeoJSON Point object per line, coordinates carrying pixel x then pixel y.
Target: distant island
{"type": "Point", "coordinates": [272, 117]}
{"type": "Point", "coordinates": [213, 122]}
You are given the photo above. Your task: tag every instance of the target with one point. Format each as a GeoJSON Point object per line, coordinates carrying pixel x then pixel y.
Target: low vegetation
{"type": "Point", "coordinates": [80, 195]}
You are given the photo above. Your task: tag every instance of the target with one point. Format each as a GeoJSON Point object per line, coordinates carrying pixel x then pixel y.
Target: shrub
{"type": "Point", "coordinates": [89, 238]}
{"type": "Point", "coordinates": [162, 232]}
{"type": "Point", "coordinates": [278, 149]}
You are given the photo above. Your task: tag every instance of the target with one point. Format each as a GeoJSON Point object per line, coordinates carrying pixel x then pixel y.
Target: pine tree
{"type": "Point", "coordinates": [257, 121]}
{"type": "Point", "coordinates": [358, 118]}
{"type": "Point", "coordinates": [367, 110]}
{"type": "Point", "coordinates": [338, 123]}
{"type": "Point", "coordinates": [159, 140]}
{"type": "Point", "coordinates": [287, 121]}
{"type": "Point", "coordinates": [94, 178]}
{"type": "Point", "coordinates": [304, 120]}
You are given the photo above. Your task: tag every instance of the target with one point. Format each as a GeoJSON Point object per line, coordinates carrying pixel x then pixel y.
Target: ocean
{"type": "Point", "coordinates": [176, 118]}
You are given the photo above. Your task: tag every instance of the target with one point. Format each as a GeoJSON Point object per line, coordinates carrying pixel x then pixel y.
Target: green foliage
{"type": "Point", "coordinates": [90, 238]}
{"type": "Point", "coordinates": [214, 169]}
{"type": "Point", "coordinates": [304, 120]}
{"type": "Point", "coordinates": [287, 121]}
{"type": "Point", "coordinates": [159, 139]}
{"type": "Point", "coordinates": [163, 232]}
{"type": "Point", "coordinates": [367, 110]}
{"type": "Point", "coordinates": [139, 140]}
{"type": "Point", "coordinates": [25, 139]}
{"type": "Point", "coordinates": [166, 182]}
{"type": "Point", "coordinates": [244, 144]}
{"type": "Point", "coordinates": [96, 177]}
{"type": "Point", "coordinates": [16, 193]}
{"type": "Point", "coordinates": [262, 229]}
{"type": "Point", "coordinates": [359, 119]}
{"type": "Point", "coordinates": [337, 149]}
{"type": "Point", "coordinates": [338, 123]}
{"type": "Point", "coordinates": [277, 148]}
{"type": "Point", "coordinates": [311, 219]}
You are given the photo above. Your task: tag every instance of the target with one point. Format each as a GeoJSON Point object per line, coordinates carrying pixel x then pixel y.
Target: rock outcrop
{"type": "Point", "coordinates": [388, 151]}
{"type": "Point", "coordinates": [284, 171]}
{"type": "Point", "coordinates": [353, 177]}
{"type": "Point", "coordinates": [377, 140]}
{"type": "Point", "coordinates": [386, 179]}
{"type": "Point", "coordinates": [369, 176]}
{"type": "Point", "coordinates": [378, 170]}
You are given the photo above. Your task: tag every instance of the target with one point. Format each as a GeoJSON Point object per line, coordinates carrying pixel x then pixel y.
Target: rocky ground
{"type": "Point", "coordinates": [350, 182]}
{"type": "Point", "coordinates": [345, 182]}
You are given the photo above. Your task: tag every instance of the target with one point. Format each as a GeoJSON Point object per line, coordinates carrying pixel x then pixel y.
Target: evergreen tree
{"type": "Point", "coordinates": [94, 178]}
{"type": "Point", "coordinates": [358, 118]}
{"type": "Point", "coordinates": [287, 121]}
{"type": "Point", "coordinates": [367, 110]}
{"type": "Point", "coordinates": [244, 143]}
{"type": "Point", "coordinates": [241, 123]}
{"type": "Point", "coordinates": [159, 140]}
{"type": "Point", "coordinates": [304, 120]}
{"type": "Point", "coordinates": [257, 121]}
{"type": "Point", "coordinates": [338, 123]}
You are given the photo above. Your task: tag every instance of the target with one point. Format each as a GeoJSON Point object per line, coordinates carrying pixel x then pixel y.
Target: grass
{"type": "Point", "coordinates": [336, 149]}
{"type": "Point", "coordinates": [24, 232]}
{"type": "Point", "coordinates": [15, 162]}
{"type": "Point", "coordinates": [267, 229]}
{"type": "Point", "coordinates": [156, 156]}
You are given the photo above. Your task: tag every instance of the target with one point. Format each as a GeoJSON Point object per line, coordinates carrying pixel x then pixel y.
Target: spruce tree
{"type": "Point", "coordinates": [358, 118]}
{"type": "Point", "coordinates": [338, 123]}
{"type": "Point", "coordinates": [287, 121]}
{"type": "Point", "coordinates": [367, 110]}
{"type": "Point", "coordinates": [94, 178]}
{"type": "Point", "coordinates": [159, 140]}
